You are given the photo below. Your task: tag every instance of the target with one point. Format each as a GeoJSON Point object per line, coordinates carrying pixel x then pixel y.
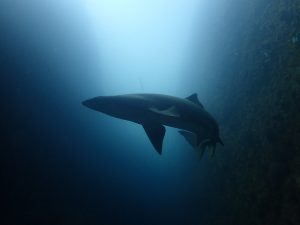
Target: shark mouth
{"type": "Point", "coordinates": [201, 145]}
{"type": "Point", "coordinates": [206, 144]}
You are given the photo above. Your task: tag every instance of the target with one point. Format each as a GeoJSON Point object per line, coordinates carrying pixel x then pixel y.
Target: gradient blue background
{"type": "Point", "coordinates": [71, 165]}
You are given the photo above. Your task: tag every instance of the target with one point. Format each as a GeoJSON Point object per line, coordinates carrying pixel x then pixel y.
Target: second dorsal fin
{"type": "Point", "coordinates": [193, 98]}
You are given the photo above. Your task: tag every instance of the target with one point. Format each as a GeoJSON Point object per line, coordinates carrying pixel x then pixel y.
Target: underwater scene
{"type": "Point", "coordinates": [139, 112]}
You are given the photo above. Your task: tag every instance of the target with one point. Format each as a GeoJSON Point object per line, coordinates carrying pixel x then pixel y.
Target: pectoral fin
{"type": "Point", "coordinates": [213, 150]}
{"type": "Point", "coordinates": [189, 137]}
{"type": "Point", "coordinates": [156, 133]}
{"type": "Point", "coordinates": [198, 143]}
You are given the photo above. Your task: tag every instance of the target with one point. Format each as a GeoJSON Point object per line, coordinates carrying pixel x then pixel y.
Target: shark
{"type": "Point", "coordinates": [155, 111]}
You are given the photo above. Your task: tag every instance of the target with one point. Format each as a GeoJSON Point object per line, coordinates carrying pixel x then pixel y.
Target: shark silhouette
{"type": "Point", "coordinates": [153, 111]}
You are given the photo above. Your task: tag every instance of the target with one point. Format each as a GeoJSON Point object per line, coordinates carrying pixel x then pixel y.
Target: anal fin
{"type": "Point", "coordinates": [156, 133]}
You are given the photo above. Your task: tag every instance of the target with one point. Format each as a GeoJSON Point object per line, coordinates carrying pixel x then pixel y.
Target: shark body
{"type": "Point", "coordinates": [153, 111]}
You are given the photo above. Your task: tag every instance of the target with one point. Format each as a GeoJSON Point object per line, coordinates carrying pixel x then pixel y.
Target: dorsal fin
{"type": "Point", "coordinates": [193, 98]}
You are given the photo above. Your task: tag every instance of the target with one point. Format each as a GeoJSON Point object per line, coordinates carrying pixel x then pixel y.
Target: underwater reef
{"type": "Point", "coordinates": [255, 178]}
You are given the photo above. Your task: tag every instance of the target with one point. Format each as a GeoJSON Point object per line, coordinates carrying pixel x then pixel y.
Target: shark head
{"type": "Point", "coordinates": [212, 141]}
{"type": "Point", "coordinates": [202, 141]}
{"type": "Point", "coordinates": [209, 144]}
{"type": "Point", "coordinates": [215, 138]}
{"type": "Point", "coordinates": [218, 140]}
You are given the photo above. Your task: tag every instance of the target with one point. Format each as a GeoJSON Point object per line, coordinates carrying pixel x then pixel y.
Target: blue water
{"type": "Point", "coordinates": [71, 165]}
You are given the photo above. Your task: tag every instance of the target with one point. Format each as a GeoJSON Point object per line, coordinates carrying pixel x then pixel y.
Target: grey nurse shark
{"type": "Point", "coordinates": [153, 111]}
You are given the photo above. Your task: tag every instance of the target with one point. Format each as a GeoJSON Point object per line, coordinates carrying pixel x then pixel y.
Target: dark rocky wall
{"type": "Point", "coordinates": [256, 176]}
